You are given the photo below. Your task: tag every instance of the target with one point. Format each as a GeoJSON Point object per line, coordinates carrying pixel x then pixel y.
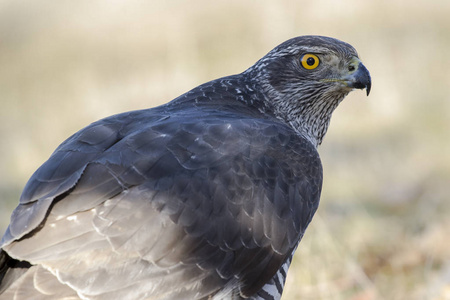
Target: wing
{"type": "Point", "coordinates": [171, 206]}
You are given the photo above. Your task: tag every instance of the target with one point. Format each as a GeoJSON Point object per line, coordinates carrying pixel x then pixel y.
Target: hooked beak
{"type": "Point", "coordinates": [360, 79]}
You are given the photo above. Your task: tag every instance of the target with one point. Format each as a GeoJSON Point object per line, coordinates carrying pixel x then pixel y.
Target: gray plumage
{"type": "Point", "coordinates": [205, 197]}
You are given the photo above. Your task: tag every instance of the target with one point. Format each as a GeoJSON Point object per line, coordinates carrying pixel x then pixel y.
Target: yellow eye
{"type": "Point", "coordinates": [310, 61]}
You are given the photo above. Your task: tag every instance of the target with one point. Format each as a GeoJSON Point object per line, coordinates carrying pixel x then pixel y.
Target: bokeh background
{"type": "Point", "coordinates": [383, 228]}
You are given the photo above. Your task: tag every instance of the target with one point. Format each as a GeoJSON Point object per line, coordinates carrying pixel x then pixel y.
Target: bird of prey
{"type": "Point", "coordinates": [205, 197]}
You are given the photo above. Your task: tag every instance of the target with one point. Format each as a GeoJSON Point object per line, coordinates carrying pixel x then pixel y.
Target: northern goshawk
{"type": "Point", "coordinates": [205, 197]}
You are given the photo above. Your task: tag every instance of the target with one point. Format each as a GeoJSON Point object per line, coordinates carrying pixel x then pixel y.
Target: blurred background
{"type": "Point", "coordinates": [382, 230]}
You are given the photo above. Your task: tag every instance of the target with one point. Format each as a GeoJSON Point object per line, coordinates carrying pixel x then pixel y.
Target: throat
{"type": "Point", "coordinates": [311, 117]}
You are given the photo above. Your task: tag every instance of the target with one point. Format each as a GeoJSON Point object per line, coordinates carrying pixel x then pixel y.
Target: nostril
{"type": "Point", "coordinates": [351, 68]}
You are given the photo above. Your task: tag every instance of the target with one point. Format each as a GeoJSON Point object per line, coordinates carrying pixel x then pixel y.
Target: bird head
{"type": "Point", "coordinates": [305, 78]}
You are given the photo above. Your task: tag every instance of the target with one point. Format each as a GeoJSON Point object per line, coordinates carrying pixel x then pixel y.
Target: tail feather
{"type": "Point", "coordinates": [22, 281]}
{"type": "Point", "coordinates": [10, 270]}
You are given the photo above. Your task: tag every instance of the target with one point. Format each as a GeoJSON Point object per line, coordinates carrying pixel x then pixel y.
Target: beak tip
{"type": "Point", "coordinates": [364, 78]}
{"type": "Point", "coordinates": [368, 89]}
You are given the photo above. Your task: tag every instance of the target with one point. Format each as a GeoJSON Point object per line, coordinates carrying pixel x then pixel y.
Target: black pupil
{"type": "Point", "coordinates": [310, 61]}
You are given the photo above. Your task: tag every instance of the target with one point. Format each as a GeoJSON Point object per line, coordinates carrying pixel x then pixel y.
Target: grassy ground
{"type": "Point", "coordinates": [382, 229]}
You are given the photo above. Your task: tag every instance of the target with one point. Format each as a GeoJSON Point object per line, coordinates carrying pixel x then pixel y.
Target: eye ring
{"type": "Point", "coordinates": [309, 61]}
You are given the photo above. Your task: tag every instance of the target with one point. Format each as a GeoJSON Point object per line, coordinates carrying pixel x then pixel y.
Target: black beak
{"type": "Point", "coordinates": [360, 79]}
